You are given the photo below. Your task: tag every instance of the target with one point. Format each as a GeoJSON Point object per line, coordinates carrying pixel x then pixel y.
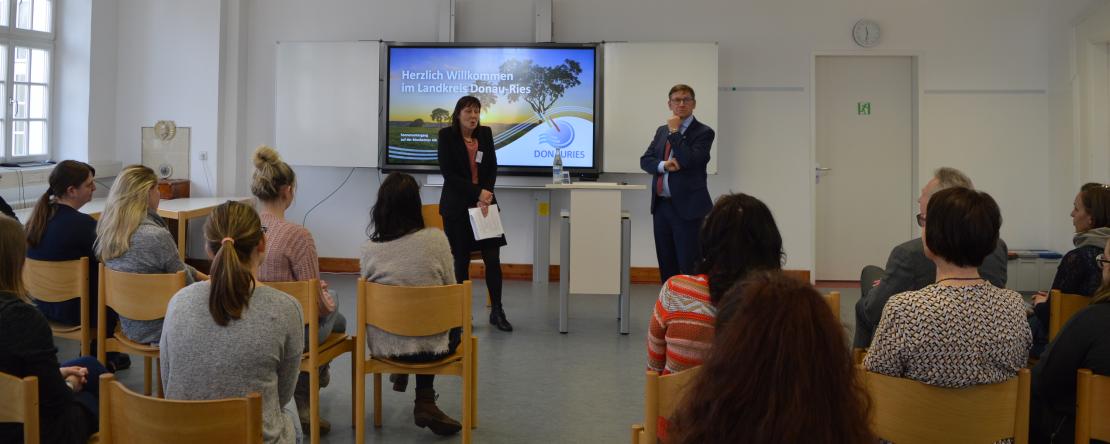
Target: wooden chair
{"type": "Point", "coordinates": [415, 311]}
{"type": "Point", "coordinates": [908, 411]}
{"type": "Point", "coordinates": [60, 281]}
{"type": "Point", "coordinates": [336, 344]}
{"type": "Point", "coordinates": [432, 219]}
{"type": "Point", "coordinates": [128, 417]}
{"type": "Point", "coordinates": [140, 297]}
{"type": "Point", "coordinates": [1092, 407]}
{"type": "Point", "coordinates": [801, 275]}
{"type": "Point", "coordinates": [1062, 306]}
{"type": "Point", "coordinates": [662, 395]}
{"type": "Point", "coordinates": [21, 404]}
{"type": "Point", "coordinates": [833, 299]}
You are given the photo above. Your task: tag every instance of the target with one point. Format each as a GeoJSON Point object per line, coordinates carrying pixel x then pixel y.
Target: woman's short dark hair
{"type": "Point", "coordinates": [464, 103]}
{"type": "Point", "coordinates": [739, 235]}
{"type": "Point", "coordinates": [398, 209]}
{"type": "Point", "coordinates": [961, 226]}
{"type": "Point", "coordinates": [1096, 201]}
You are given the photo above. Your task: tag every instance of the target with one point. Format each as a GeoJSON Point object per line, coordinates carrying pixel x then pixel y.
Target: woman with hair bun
{"type": "Point", "coordinates": [229, 337]}
{"type": "Point", "coordinates": [291, 256]}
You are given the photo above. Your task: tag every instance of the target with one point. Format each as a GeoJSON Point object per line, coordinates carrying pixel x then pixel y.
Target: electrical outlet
{"type": "Point", "coordinates": [204, 155]}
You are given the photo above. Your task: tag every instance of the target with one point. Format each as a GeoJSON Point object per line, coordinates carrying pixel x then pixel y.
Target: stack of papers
{"type": "Point", "coordinates": [486, 226]}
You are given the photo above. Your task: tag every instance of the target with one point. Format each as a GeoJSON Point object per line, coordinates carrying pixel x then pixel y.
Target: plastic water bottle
{"type": "Point", "coordinates": [557, 168]}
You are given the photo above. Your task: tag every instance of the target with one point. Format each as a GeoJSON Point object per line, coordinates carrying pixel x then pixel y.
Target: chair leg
{"type": "Point", "coordinates": [474, 383]}
{"type": "Point", "coordinates": [467, 394]}
{"type": "Point", "coordinates": [377, 400]}
{"type": "Point", "coordinates": [354, 400]}
{"type": "Point", "coordinates": [146, 375]}
{"type": "Point", "coordinates": [158, 377]}
{"type": "Point", "coordinates": [360, 405]}
{"type": "Point", "coordinates": [314, 403]}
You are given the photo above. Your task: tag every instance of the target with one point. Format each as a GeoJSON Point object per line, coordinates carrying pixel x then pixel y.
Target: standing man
{"type": "Point", "coordinates": [677, 157]}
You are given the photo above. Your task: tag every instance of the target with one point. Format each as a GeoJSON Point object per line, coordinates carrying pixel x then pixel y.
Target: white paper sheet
{"type": "Point", "coordinates": [486, 226]}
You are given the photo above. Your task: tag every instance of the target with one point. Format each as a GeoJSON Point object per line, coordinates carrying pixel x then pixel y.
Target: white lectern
{"type": "Point", "coordinates": [595, 240]}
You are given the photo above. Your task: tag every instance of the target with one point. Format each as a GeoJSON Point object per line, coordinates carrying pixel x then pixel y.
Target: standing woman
{"type": "Point", "coordinates": [58, 231]}
{"type": "Point", "coordinates": [468, 161]}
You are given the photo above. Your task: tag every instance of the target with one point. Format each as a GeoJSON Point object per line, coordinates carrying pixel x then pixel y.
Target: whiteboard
{"type": "Point", "coordinates": [637, 78]}
{"type": "Point", "coordinates": [326, 103]}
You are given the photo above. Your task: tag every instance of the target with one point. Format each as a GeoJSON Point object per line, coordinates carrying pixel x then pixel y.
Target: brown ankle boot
{"type": "Point", "coordinates": [426, 414]}
{"type": "Point", "coordinates": [300, 397]}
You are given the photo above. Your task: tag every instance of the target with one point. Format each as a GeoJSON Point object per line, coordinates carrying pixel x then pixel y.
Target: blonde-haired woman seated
{"type": "Point", "coordinates": [131, 237]}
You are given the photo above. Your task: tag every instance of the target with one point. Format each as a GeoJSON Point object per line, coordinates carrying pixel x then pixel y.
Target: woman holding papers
{"type": "Point", "coordinates": [468, 162]}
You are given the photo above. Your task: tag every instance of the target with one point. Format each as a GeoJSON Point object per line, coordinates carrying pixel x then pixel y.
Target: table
{"type": "Point", "coordinates": [180, 210]}
{"type": "Point", "coordinates": [187, 208]}
{"type": "Point", "coordinates": [595, 257]}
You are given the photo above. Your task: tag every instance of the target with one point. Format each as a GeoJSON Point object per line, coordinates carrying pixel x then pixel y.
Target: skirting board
{"type": "Point", "coordinates": [512, 272]}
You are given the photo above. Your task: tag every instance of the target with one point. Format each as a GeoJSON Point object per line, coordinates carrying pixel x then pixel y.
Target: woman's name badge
{"type": "Point", "coordinates": [478, 157]}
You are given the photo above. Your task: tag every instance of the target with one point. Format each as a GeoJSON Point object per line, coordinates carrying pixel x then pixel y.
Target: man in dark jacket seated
{"type": "Point", "coordinates": [908, 269]}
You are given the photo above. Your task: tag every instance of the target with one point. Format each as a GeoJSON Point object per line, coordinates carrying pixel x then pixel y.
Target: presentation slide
{"type": "Point", "coordinates": [535, 99]}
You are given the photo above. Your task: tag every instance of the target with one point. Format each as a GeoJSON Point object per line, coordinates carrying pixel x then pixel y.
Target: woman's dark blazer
{"type": "Point", "coordinates": [459, 194]}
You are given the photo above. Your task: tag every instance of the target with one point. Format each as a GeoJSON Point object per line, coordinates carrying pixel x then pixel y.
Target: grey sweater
{"type": "Point", "coordinates": [260, 352]}
{"type": "Point", "coordinates": [152, 250]}
{"type": "Point", "coordinates": [422, 258]}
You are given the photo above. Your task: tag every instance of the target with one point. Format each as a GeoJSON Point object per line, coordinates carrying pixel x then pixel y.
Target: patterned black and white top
{"type": "Point", "coordinates": [951, 336]}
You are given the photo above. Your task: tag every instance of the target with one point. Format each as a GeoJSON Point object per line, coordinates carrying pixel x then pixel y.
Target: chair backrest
{"type": "Point", "coordinates": [1062, 306]}
{"type": "Point", "coordinates": [127, 417]}
{"type": "Point", "coordinates": [662, 395]}
{"type": "Point", "coordinates": [432, 219]}
{"type": "Point", "coordinates": [833, 299]}
{"type": "Point", "coordinates": [801, 275]}
{"type": "Point", "coordinates": [1092, 407]}
{"type": "Point", "coordinates": [305, 292]}
{"type": "Point", "coordinates": [904, 410]}
{"type": "Point", "coordinates": [414, 311]}
{"type": "Point", "coordinates": [140, 297]}
{"type": "Point", "coordinates": [21, 404]}
{"type": "Point", "coordinates": [56, 281]}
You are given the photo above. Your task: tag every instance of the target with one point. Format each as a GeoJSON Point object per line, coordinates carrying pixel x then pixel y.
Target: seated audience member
{"type": "Point", "coordinates": [131, 237]}
{"type": "Point", "coordinates": [402, 252]}
{"type": "Point", "coordinates": [1084, 342]}
{"type": "Point", "coordinates": [1077, 273]}
{"type": "Point", "coordinates": [778, 372]}
{"type": "Point", "coordinates": [57, 231]}
{"type": "Point", "coordinates": [739, 236]}
{"type": "Point", "coordinates": [67, 402]}
{"type": "Point", "coordinates": [907, 268]}
{"type": "Point", "coordinates": [6, 209]}
{"type": "Point", "coordinates": [229, 337]}
{"type": "Point", "coordinates": [291, 256]}
{"type": "Point", "coordinates": [962, 330]}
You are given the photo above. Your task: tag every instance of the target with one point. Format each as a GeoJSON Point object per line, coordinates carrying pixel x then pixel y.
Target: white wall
{"type": "Point", "coordinates": [989, 71]}
{"type": "Point", "coordinates": [168, 62]}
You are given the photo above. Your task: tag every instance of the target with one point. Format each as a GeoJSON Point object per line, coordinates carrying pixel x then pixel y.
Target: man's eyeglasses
{"type": "Point", "coordinates": [921, 220]}
{"type": "Point", "coordinates": [1102, 260]}
{"type": "Point", "coordinates": [682, 100]}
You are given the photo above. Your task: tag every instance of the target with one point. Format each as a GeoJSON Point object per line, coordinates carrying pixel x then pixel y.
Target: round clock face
{"type": "Point", "coordinates": [866, 33]}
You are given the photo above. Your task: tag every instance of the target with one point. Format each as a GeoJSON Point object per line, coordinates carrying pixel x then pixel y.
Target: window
{"type": "Point", "coordinates": [26, 50]}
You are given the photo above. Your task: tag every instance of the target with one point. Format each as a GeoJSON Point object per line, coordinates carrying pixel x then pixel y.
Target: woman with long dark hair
{"type": "Point", "coordinates": [230, 336]}
{"type": "Point", "coordinates": [778, 372]}
{"type": "Point", "coordinates": [59, 231]}
{"type": "Point", "coordinates": [402, 252]}
{"type": "Point", "coordinates": [468, 162]}
{"type": "Point", "coordinates": [738, 237]}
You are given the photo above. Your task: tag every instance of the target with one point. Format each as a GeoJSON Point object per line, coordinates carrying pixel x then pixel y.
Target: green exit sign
{"type": "Point", "coordinates": [863, 108]}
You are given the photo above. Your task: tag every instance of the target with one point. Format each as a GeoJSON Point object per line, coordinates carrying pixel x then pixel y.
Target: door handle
{"type": "Point", "coordinates": [823, 169]}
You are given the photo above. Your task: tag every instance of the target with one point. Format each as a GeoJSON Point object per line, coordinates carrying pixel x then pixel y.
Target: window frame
{"type": "Point", "coordinates": [12, 36]}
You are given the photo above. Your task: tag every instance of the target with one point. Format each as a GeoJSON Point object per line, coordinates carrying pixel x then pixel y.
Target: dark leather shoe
{"type": "Point", "coordinates": [497, 319]}
{"type": "Point", "coordinates": [400, 382]}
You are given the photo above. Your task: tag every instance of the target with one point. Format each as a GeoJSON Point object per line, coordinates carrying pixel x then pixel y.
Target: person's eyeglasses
{"type": "Point", "coordinates": [1102, 260]}
{"type": "Point", "coordinates": [921, 220]}
{"type": "Point", "coordinates": [682, 100]}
